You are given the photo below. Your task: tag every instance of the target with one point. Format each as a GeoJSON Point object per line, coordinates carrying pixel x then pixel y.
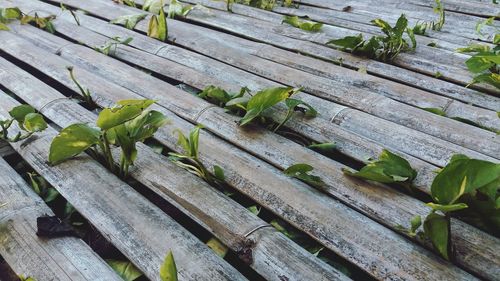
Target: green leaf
{"type": "Point", "coordinates": [480, 63]}
{"type": "Point", "coordinates": [126, 143]}
{"type": "Point", "coordinates": [254, 210]}
{"type": "Point", "coordinates": [168, 270]}
{"type": "Point", "coordinates": [326, 147]}
{"type": "Point", "coordinates": [215, 94]}
{"type": "Point", "coordinates": [436, 228]}
{"type": "Point", "coordinates": [415, 223]}
{"type": "Point", "coordinates": [7, 14]}
{"type": "Point", "coordinates": [145, 125]}
{"type": "Point", "coordinates": [20, 112]}
{"type": "Point", "coordinates": [129, 21]}
{"type": "Point", "coordinates": [348, 42]}
{"type": "Point", "coordinates": [153, 6]}
{"type": "Point", "coordinates": [264, 100]}
{"type": "Point", "coordinates": [306, 25]}
{"type": "Point", "coordinates": [301, 171]}
{"type": "Point", "coordinates": [4, 27]}
{"type": "Point", "coordinates": [390, 168]}
{"type": "Point", "coordinates": [219, 173]}
{"type": "Point", "coordinates": [435, 110]}
{"type": "Point", "coordinates": [72, 141]}
{"type": "Point", "coordinates": [447, 208]}
{"type": "Point", "coordinates": [158, 26]}
{"type": "Point", "coordinates": [125, 269]}
{"type": "Point", "coordinates": [124, 111]}
{"type": "Point", "coordinates": [474, 48]}
{"type": "Point", "coordinates": [177, 9]}
{"type": "Point", "coordinates": [462, 175]}
{"type": "Point", "coordinates": [217, 246]}
{"type": "Point", "coordinates": [194, 136]}
{"type": "Point", "coordinates": [34, 122]}
{"type": "Point", "coordinates": [489, 78]}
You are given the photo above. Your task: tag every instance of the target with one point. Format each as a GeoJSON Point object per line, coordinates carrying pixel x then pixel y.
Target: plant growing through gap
{"type": "Point", "coordinates": [7, 15]}
{"type": "Point", "coordinates": [468, 187]}
{"type": "Point", "coordinates": [28, 120]}
{"type": "Point", "coordinates": [123, 125]}
{"type": "Point", "coordinates": [177, 9]}
{"type": "Point", "coordinates": [130, 3]}
{"type": "Point", "coordinates": [129, 21]}
{"type": "Point", "coordinates": [158, 28]}
{"type": "Point", "coordinates": [127, 270]}
{"type": "Point", "coordinates": [168, 270]}
{"type": "Point", "coordinates": [189, 158]}
{"type": "Point", "coordinates": [385, 48]}
{"type": "Point", "coordinates": [484, 62]}
{"type": "Point", "coordinates": [420, 28]}
{"type": "Point", "coordinates": [110, 46]}
{"type": "Point", "coordinates": [86, 96]}
{"type": "Point", "coordinates": [303, 23]}
{"type": "Point", "coordinates": [253, 107]}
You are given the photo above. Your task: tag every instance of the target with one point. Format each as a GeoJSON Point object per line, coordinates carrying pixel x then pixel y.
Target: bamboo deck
{"type": "Point", "coordinates": [362, 112]}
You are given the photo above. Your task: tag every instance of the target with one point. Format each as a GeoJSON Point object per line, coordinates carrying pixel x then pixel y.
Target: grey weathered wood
{"type": "Point", "coordinates": [365, 100]}
{"type": "Point", "coordinates": [410, 148]}
{"type": "Point", "coordinates": [221, 161]}
{"type": "Point", "coordinates": [227, 220]}
{"type": "Point", "coordinates": [134, 225]}
{"type": "Point", "coordinates": [64, 258]}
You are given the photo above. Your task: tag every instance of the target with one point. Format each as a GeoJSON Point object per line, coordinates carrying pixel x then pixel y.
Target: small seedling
{"type": "Point", "coordinates": [464, 182]}
{"type": "Point", "coordinates": [177, 9]}
{"type": "Point", "coordinates": [158, 25]}
{"type": "Point", "coordinates": [43, 188]}
{"type": "Point", "coordinates": [189, 159]}
{"type": "Point", "coordinates": [87, 97]}
{"type": "Point", "coordinates": [129, 21]}
{"type": "Point", "coordinates": [109, 48]}
{"type": "Point", "coordinates": [122, 125]}
{"type": "Point", "coordinates": [168, 270]}
{"type": "Point", "coordinates": [28, 120]}
{"type": "Point", "coordinates": [379, 47]}
{"type": "Point", "coordinates": [302, 23]}
{"type": "Point", "coordinates": [484, 62]}
{"type": "Point", "coordinates": [389, 168]}
{"type": "Point", "coordinates": [73, 14]}
{"type": "Point", "coordinates": [420, 28]}
{"type": "Point", "coordinates": [302, 172]}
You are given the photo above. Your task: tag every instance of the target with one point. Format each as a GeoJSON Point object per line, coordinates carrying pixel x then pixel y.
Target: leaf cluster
{"type": "Point", "coordinates": [484, 62]}
{"type": "Point", "coordinates": [384, 48]}
{"type": "Point", "coordinates": [253, 107]}
{"type": "Point", "coordinates": [463, 182]}
{"type": "Point", "coordinates": [302, 23]}
{"type": "Point", "coordinates": [28, 120]}
{"type": "Point", "coordinates": [122, 126]}
{"type": "Point", "coordinates": [158, 25]}
{"type": "Point", "coordinates": [389, 168]}
{"type": "Point", "coordinates": [7, 15]}
{"type": "Point", "coordinates": [189, 158]}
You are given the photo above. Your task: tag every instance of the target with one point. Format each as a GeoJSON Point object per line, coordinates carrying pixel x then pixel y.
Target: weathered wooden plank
{"type": "Point", "coordinates": [64, 258]}
{"type": "Point", "coordinates": [271, 34]}
{"type": "Point", "coordinates": [227, 124]}
{"type": "Point", "coordinates": [388, 109]}
{"type": "Point", "coordinates": [226, 219]}
{"type": "Point", "coordinates": [203, 82]}
{"type": "Point", "coordinates": [360, 223]}
{"type": "Point", "coordinates": [127, 219]}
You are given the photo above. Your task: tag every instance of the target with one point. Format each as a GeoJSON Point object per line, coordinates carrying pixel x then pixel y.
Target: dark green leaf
{"type": "Point", "coordinates": [436, 228]}
{"type": "Point", "coordinates": [462, 175]}
{"type": "Point", "coordinates": [326, 147]}
{"type": "Point", "coordinates": [301, 171]}
{"type": "Point", "coordinates": [20, 112]}
{"type": "Point", "coordinates": [264, 100]}
{"type": "Point", "coordinates": [219, 173]}
{"type": "Point", "coordinates": [447, 208]}
{"type": "Point", "coordinates": [72, 141]}
{"type": "Point", "coordinates": [389, 168]}
{"type": "Point", "coordinates": [348, 42]}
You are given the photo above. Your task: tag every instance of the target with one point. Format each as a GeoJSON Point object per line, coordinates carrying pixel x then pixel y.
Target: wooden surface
{"type": "Point", "coordinates": [362, 113]}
